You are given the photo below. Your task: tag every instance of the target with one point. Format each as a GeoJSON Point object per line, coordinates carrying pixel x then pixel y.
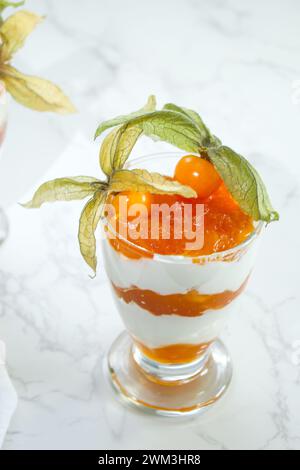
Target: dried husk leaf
{"type": "Point", "coordinates": [118, 144]}
{"type": "Point", "coordinates": [143, 180]}
{"type": "Point", "coordinates": [117, 121]}
{"type": "Point", "coordinates": [88, 222]}
{"type": "Point", "coordinates": [107, 151]}
{"type": "Point", "coordinates": [166, 125]}
{"type": "Point", "coordinates": [243, 182]}
{"type": "Point", "coordinates": [15, 30]}
{"type": "Point", "coordinates": [194, 116]}
{"type": "Point", "coordinates": [64, 189]}
{"type": "Point", "coordinates": [34, 92]}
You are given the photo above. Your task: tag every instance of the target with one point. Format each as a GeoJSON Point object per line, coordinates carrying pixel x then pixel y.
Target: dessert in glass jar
{"type": "Point", "coordinates": [180, 235]}
{"type": "Point", "coordinates": [174, 295]}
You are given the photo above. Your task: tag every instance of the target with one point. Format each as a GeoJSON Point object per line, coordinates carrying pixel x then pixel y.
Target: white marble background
{"type": "Point", "coordinates": [238, 64]}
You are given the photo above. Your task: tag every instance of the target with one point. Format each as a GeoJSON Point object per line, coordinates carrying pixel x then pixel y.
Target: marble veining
{"type": "Point", "coordinates": [238, 64]}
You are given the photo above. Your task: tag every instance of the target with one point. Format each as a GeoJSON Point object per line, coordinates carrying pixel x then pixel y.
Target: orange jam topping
{"type": "Point", "coordinates": [224, 224]}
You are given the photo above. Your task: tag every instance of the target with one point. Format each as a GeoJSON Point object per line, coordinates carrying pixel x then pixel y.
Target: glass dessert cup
{"type": "Point", "coordinates": [3, 124]}
{"type": "Point", "coordinates": [170, 361]}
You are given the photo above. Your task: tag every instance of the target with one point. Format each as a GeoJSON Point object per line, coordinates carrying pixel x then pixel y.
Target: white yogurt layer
{"type": "Point", "coordinates": [171, 277]}
{"type": "Point", "coordinates": [164, 330]}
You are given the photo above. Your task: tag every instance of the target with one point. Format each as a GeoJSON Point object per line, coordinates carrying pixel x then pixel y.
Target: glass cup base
{"type": "Point", "coordinates": [159, 393]}
{"type": "Point", "coordinates": [3, 226]}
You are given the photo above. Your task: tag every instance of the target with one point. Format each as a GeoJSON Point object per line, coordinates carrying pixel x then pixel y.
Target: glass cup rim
{"type": "Point", "coordinates": [181, 258]}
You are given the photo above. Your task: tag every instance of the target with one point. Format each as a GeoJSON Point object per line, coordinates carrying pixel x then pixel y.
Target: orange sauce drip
{"type": "Point", "coordinates": [225, 226]}
{"type": "Point", "coordinates": [190, 304]}
{"type": "Point", "coordinates": [174, 353]}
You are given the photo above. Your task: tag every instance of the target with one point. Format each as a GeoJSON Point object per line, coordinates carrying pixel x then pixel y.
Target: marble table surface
{"type": "Point", "coordinates": [238, 64]}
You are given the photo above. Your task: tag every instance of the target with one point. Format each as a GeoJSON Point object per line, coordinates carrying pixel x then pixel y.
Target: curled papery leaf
{"type": "Point", "coordinates": [34, 92]}
{"type": "Point", "coordinates": [150, 105]}
{"type": "Point", "coordinates": [243, 182]}
{"type": "Point", "coordinates": [116, 148]}
{"type": "Point", "coordinates": [117, 145]}
{"type": "Point", "coordinates": [64, 189]}
{"type": "Point", "coordinates": [15, 30]}
{"type": "Point", "coordinates": [143, 180]}
{"type": "Point", "coordinates": [128, 137]}
{"type": "Point", "coordinates": [126, 141]}
{"type": "Point", "coordinates": [107, 151]}
{"type": "Point", "coordinates": [169, 126]}
{"type": "Point", "coordinates": [88, 222]}
{"type": "Point", "coordinates": [206, 136]}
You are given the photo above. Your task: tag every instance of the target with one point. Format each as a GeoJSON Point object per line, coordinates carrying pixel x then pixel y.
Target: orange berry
{"type": "Point", "coordinates": [130, 198]}
{"type": "Point", "coordinates": [199, 174]}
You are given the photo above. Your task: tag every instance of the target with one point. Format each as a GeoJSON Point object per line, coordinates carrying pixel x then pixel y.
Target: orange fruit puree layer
{"type": "Point", "coordinates": [174, 353]}
{"type": "Point", "coordinates": [188, 304]}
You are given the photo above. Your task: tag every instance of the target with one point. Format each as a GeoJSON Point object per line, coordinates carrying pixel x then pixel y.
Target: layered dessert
{"type": "Point", "coordinates": [172, 300]}
{"type": "Point", "coordinates": [180, 237]}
